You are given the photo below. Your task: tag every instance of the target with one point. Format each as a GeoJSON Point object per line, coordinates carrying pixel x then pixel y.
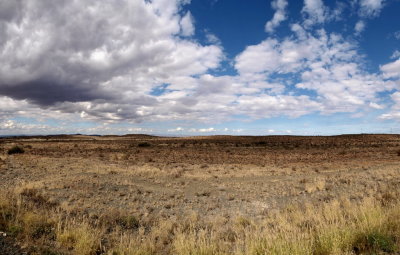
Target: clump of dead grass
{"type": "Point", "coordinates": [79, 237]}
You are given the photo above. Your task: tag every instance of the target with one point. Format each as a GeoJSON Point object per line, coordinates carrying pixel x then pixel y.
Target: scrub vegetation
{"type": "Point", "coordinates": [205, 195]}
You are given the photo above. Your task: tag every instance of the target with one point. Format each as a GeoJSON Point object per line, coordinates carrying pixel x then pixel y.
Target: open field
{"type": "Point", "coordinates": [140, 194]}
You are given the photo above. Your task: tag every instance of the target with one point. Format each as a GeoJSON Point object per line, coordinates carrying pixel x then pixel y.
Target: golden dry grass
{"type": "Point", "coordinates": [337, 227]}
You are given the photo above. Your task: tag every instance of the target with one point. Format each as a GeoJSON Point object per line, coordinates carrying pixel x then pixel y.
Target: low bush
{"type": "Point", "coordinates": [144, 144]}
{"type": "Point", "coordinates": [128, 222]}
{"type": "Point", "coordinates": [15, 150]}
{"type": "Point", "coordinates": [374, 242]}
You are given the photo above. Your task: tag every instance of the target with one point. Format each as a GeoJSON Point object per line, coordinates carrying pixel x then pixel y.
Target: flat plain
{"type": "Point", "coordinates": [139, 194]}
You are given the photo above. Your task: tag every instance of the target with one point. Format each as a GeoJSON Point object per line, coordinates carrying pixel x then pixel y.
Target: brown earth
{"type": "Point", "coordinates": [162, 177]}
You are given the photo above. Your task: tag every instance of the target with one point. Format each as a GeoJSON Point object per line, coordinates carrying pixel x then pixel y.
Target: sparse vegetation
{"type": "Point", "coordinates": [337, 227]}
{"type": "Point", "coordinates": [243, 196]}
{"type": "Point", "coordinates": [15, 150]}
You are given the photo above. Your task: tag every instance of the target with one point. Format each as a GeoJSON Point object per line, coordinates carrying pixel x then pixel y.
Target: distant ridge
{"type": "Point", "coordinates": [212, 137]}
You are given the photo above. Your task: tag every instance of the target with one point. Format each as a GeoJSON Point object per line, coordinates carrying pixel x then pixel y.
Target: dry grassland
{"type": "Point", "coordinates": [140, 194]}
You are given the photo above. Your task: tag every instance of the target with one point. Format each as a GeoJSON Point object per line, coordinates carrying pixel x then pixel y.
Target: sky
{"type": "Point", "coordinates": [199, 67]}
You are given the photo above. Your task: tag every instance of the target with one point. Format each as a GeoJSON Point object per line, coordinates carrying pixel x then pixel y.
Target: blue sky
{"type": "Point", "coordinates": [181, 67]}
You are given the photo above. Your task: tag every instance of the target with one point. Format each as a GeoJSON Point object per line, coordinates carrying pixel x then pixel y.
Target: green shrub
{"type": "Point", "coordinates": [374, 242]}
{"type": "Point", "coordinates": [15, 150]}
{"type": "Point", "coordinates": [144, 144]}
{"type": "Point", "coordinates": [15, 230]}
{"type": "Point", "coordinates": [261, 143]}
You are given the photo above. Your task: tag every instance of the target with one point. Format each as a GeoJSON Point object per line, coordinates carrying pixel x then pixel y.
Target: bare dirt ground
{"type": "Point", "coordinates": [158, 177]}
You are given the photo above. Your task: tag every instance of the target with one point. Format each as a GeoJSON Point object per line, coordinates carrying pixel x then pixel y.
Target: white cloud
{"type": "Point", "coordinates": [325, 63]}
{"type": "Point", "coordinates": [376, 106]}
{"type": "Point", "coordinates": [391, 116]}
{"type": "Point", "coordinates": [359, 27]}
{"type": "Point", "coordinates": [187, 25]}
{"type": "Point", "coordinates": [136, 130]}
{"type": "Point", "coordinates": [259, 58]}
{"type": "Point", "coordinates": [178, 129]}
{"type": "Point", "coordinates": [8, 127]}
{"type": "Point", "coordinates": [7, 124]}
{"type": "Point", "coordinates": [266, 106]}
{"type": "Point", "coordinates": [337, 12]}
{"type": "Point", "coordinates": [272, 55]}
{"type": "Point", "coordinates": [279, 16]}
{"type": "Point", "coordinates": [397, 35]}
{"type": "Point", "coordinates": [238, 130]}
{"type": "Point", "coordinates": [206, 130]}
{"type": "Point", "coordinates": [396, 54]}
{"type": "Point", "coordinates": [394, 113]}
{"type": "Point", "coordinates": [315, 12]}
{"type": "Point", "coordinates": [203, 130]}
{"type": "Point", "coordinates": [396, 99]}
{"type": "Point", "coordinates": [391, 70]}
{"type": "Point", "coordinates": [367, 9]}
{"type": "Point", "coordinates": [273, 131]}
{"type": "Point", "coordinates": [371, 8]}
{"type": "Point", "coordinates": [212, 38]}
{"type": "Point", "coordinates": [9, 106]}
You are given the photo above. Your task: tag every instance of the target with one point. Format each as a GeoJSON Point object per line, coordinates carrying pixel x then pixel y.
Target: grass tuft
{"type": "Point", "coordinates": [80, 238]}
{"type": "Point", "coordinates": [36, 226]}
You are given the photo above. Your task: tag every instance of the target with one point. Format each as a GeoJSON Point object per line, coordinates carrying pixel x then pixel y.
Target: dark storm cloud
{"type": "Point", "coordinates": [47, 92]}
{"type": "Point", "coordinates": [10, 10]}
